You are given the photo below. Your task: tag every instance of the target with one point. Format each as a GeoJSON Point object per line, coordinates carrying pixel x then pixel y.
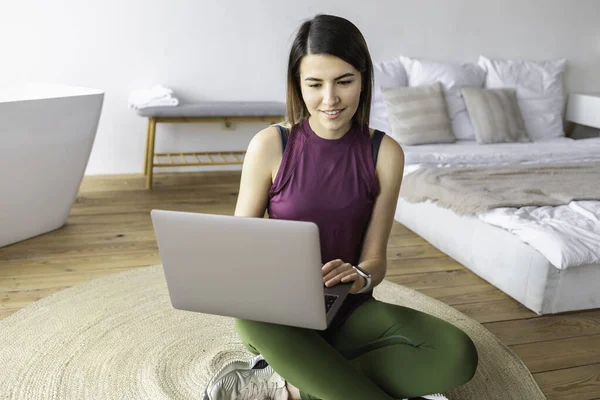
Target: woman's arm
{"type": "Point", "coordinates": [263, 151]}
{"type": "Point", "coordinates": [390, 167]}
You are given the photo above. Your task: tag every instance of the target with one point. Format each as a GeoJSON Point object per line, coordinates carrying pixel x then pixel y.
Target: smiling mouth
{"type": "Point", "coordinates": [332, 112]}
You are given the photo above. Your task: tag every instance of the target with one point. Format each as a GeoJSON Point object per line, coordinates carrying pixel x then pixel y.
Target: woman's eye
{"type": "Point", "coordinates": [316, 85]}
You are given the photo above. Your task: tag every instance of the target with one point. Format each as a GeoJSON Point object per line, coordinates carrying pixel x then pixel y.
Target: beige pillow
{"type": "Point", "coordinates": [495, 115]}
{"type": "Point", "coordinates": [418, 115]}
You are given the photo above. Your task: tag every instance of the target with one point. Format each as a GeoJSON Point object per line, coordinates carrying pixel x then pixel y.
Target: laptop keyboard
{"type": "Point", "coordinates": [329, 300]}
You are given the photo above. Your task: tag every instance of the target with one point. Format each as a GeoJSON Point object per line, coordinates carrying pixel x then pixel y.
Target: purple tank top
{"type": "Point", "coordinates": [333, 184]}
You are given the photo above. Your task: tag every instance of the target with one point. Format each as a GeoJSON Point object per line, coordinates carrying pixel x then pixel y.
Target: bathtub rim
{"type": "Point", "coordinates": [62, 91]}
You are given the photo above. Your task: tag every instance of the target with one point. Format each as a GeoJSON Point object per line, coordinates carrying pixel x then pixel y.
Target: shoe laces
{"type": "Point", "coordinates": [259, 389]}
{"type": "Point", "coordinates": [435, 396]}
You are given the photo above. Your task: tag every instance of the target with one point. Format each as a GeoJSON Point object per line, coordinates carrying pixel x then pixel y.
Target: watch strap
{"type": "Point", "coordinates": [367, 277]}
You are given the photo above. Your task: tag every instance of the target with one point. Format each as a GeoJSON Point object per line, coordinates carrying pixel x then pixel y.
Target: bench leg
{"type": "Point", "coordinates": [147, 146]}
{"type": "Point", "coordinates": [149, 164]}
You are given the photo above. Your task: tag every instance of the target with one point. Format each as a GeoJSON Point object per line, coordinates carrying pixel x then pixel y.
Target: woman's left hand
{"type": "Point", "coordinates": [337, 271]}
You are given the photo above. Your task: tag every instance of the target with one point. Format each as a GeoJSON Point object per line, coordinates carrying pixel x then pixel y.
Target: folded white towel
{"type": "Point", "coordinates": [165, 102]}
{"type": "Point", "coordinates": [157, 96]}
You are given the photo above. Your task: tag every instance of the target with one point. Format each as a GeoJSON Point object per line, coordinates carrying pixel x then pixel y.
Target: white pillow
{"type": "Point", "coordinates": [539, 89]}
{"type": "Point", "coordinates": [454, 77]}
{"type": "Point", "coordinates": [390, 75]}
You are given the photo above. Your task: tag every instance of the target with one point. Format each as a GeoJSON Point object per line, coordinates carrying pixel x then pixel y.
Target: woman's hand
{"type": "Point", "coordinates": [337, 271]}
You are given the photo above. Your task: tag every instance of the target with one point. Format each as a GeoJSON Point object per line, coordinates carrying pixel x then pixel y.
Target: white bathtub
{"type": "Point", "coordinates": [46, 136]}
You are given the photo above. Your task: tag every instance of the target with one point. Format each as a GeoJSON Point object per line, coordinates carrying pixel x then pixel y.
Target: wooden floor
{"type": "Point", "coordinates": [109, 230]}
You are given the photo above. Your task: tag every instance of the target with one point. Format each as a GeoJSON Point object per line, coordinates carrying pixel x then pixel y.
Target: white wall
{"type": "Point", "coordinates": [237, 50]}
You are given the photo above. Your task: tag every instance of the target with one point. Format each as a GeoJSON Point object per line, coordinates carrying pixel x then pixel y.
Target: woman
{"type": "Point", "coordinates": [327, 174]}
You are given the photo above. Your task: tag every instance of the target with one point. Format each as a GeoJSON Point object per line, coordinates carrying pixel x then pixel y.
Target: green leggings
{"type": "Point", "coordinates": [383, 351]}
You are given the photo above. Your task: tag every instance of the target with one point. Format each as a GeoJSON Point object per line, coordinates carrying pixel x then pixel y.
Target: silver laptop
{"type": "Point", "coordinates": [252, 268]}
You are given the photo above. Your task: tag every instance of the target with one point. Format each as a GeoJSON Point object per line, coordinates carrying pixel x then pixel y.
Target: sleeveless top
{"type": "Point", "coordinates": [331, 183]}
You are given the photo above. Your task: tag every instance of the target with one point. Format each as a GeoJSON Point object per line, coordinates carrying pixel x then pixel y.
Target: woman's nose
{"type": "Point", "coordinates": [330, 96]}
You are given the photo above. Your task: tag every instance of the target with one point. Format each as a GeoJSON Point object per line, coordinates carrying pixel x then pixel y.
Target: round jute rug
{"type": "Point", "coordinates": [118, 337]}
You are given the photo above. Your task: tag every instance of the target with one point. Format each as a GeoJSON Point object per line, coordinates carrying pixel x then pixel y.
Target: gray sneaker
{"type": "Point", "coordinates": [253, 380]}
{"type": "Point", "coordinates": [435, 396]}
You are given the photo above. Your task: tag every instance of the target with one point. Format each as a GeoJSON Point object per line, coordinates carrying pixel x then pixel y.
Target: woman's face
{"type": "Point", "coordinates": [331, 91]}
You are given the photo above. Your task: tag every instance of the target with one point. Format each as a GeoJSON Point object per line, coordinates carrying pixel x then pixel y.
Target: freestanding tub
{"type": "Point", "coordinates": [46, 137]}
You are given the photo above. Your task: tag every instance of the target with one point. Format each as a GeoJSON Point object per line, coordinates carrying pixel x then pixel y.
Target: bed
{"type": "Point", "coordinates": [490, 178]}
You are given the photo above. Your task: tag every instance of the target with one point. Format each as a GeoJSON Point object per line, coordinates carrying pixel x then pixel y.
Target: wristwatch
{"type": "Point", "coordinates": [365, 275]}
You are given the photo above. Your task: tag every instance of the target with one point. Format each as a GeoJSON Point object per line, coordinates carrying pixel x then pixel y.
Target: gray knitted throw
{"type": "Point", "coordinates": [468, 190]}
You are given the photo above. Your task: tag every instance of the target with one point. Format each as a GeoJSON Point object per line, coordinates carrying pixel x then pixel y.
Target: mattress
{"type": "Point", "coordinates": [493, 253]}
{"type": "Point", "coordinates": [503, 260]}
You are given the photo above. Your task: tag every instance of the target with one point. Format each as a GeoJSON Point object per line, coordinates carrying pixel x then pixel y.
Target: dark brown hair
{"type": "Point", "coordinates": [336, 36]}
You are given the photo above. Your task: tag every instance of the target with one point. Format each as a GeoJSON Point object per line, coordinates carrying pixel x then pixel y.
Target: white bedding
{"type": "Point", "coordinates": [468, 152]}
{"type": "Point", "coordinates": [566, 235]}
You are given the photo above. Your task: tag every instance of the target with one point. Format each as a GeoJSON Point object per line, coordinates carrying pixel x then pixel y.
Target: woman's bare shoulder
{"type": "Point", "coordinates": [265, 142]}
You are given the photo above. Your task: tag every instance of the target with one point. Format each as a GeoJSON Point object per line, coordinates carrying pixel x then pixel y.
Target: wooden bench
{"type": "Point", "coordinates": [226, 112]}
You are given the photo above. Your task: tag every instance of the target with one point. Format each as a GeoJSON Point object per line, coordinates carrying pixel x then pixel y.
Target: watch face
{"type": "Point", "coordinates": [362, 270]}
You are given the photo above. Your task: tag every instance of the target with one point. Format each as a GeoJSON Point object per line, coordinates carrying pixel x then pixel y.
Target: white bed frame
{"type": "Point", "coordinates": [503, 259]}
